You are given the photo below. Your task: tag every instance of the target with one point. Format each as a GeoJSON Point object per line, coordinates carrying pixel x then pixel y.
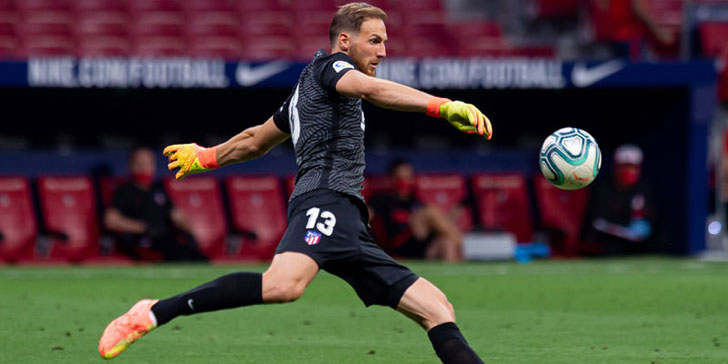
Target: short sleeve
{"type": "Point", "coordinates": [333, 69]}
{"type": "Point", "coordinates": [280, 118]}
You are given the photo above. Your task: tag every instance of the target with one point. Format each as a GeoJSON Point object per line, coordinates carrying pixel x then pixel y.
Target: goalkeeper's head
{"type": "Point", "coordinates": [358, 30]}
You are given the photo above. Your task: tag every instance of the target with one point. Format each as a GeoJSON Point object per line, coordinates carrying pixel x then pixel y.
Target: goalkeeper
{"type": "Point", "coordinates": [327, 215]}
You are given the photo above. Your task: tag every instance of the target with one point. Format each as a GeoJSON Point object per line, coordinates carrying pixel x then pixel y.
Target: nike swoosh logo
{"type": "Point", "coordinates": [189, 303]}
{"type": "Point", "coordinates": [249, 76]}
{"type": "Point", "coordinates": [581, 76]}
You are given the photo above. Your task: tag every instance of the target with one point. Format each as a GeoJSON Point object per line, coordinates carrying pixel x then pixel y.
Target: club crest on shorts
{"type": "Point", "coordinates": [312, 237]}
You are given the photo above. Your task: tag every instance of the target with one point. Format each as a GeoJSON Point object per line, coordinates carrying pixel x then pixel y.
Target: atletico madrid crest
{"type": "Point", "coordinates": [312, 237]}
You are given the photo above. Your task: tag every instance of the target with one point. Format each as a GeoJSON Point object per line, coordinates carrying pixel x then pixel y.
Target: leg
{"type": "Point", "coordinates": [285, 280]}
{"type": "Point", "coordinates": [431, 219]}
{"type": "Point", "coordinates": [427, 305]}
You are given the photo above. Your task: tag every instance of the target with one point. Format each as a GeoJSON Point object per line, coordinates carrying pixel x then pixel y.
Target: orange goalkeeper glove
{"type": "Point", "coordinates": [464, 117]}
{"type": "Point", "coordinates": [190, 158]}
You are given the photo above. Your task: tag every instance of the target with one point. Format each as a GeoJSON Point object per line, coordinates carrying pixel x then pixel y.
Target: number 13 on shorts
{"type": "Point", "coordinates": [326, 227]}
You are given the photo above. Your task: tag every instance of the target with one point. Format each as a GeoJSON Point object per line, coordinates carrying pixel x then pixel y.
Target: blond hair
{"type": "Point", "coordinates": [350, 16]}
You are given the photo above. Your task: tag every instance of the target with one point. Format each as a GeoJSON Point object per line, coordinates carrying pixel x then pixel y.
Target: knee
{"type": "Point", "coordinates": [282, 291]}
{"type": "Point", "coordinates": [442, 311]}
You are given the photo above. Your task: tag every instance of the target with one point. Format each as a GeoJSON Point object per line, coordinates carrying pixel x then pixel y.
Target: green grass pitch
{"type": "Point", "coordinates": [642, 311]}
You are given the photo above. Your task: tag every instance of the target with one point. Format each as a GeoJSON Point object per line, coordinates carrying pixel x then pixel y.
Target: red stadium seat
{"type": "Point", "coordinates": [99, 5]}
{"type": "Point", "coordinates": [157, 23]}
{"type": "Point", "coordinates": [162, 46]}
{"type": "Point", "coordinates": [562, 211]}
{"type": "Point", "coordinates": [42, 45]}
{"type": "Point", "coordinates": [8, 47]}
{"type": "Point", "coordinates": [446, 191]}
{"type": "Point", "coordinates": [31, 5]}
{"type": "Point", "coordinates": [17, 220]}
{"type": "Point", "coordinates": [195, 6]}
{"type": "Point", "coordinates": [252, 6]}
{"type": "Point", "coordinates": [715, 44]}
{"type": "Point", "coordinates": [229, 48]}
{"type": "Point", "coordinates": [267, 48]}
{"type": "Point", "coordinates": [307, 47]}
{"type": "Point", "coordinates": [257, 206]}
{"type": "Point", "coordinates": [7, 5]}
{"type": "Point", "coordinates": [106, 23]}
{"type": "Point", "coordinates": [68, 207]}
{"type": "Point", "coordinates": [376, 184]}
{"type": "Point", "coordinates": [290, 182]}
{"type": "Point", "coordinates": [313, 23]}
{"type": "Point", "coordinates": [267, 23]}
{"type": "Point", "coordinates": [102, 46]}
{"type": "Point", "coordinates": [419, 5]}
{"type": "Point", "coordinates": [199, 198]}
{"type": "Point", "coordinates": [321, 5]}
{"type": "Point", "coordinates": [45, 23]}
{"type": "Point", "coordinates": [503, 203]}
{"type": "Point", "coordinates": [107, 186]}
{"type": "Point", "coordinates": [154, 5]}
{"type": "Point", "coordinates": [212, 24]}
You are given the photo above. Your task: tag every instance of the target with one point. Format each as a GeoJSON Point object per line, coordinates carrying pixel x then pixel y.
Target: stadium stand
{"type": "Point", "coordinates": [561, 213]}
{"type": "Point", "coordinates": [258, 215]}
{"type": "Point", "coordinates": [503, 204]}
{"type": "Point", "coordinates": [18, 229]}
{"type": "Point", "coordinates": [449, 192]}
{"type": "Point", "coordinates": [68, 212]}
{"type": "Point", "coordinates": [200, 199]}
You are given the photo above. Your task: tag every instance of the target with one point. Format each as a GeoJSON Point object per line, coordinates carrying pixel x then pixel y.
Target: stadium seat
{"type": "Point", "coordinates": [251, 6]}
{"type": "Point", "coordinates": [157, 23]}
{"type": "Point", "coordinates": [8, 47]}
{"type": "Point", "coordinates": [17, 220]}
{"type": "Point", "coordinates": [257, 207]}
{"type": "Point", "coordinates": [199, 198]}
{"type": "Point", "coordinates": [557, 8]}
{"type": "Point", "coordinates": [106, 23]}
{"type": "Point", "coordinates": [32, 5]}
{"type": "Point", "coordinates": [267, 23]}
{"type": "Point", "coordinates": [107, 186]}
{"type": "Point", "coordinates": [419, 5]}
{"type": "Point", "coordinates": [266, 48]}
{"type": "Point", "coordinates": [45, 23]}
{"type": "Point", "coordinates": [714, 43]}
{"type": "Point", "coordinates": [154, 5]}
{"type": "Point", "coordinates": [212, 24]}
{"type": "Point", "coordinates": [228, 48]}
{"type": "Point", "coordinates": [562, 212]}
{"type": "Point", "coordinates": [322, 5]}
{"type": "Point", "coordinates": [102, 46]}
{"type": "Point", "coordinates": [159, 46]}
{"type": "Point", "coordinates": [46, 45]}
{"type": "Point", "coordinates": [446, 191]}
{"type": "Point", "coordinates": [68, 210]}
{"type": "Point", "coordinates": [99, 5]}
{"type": "Point", "coordinates": [503, 204]}
{"type": "Point", "coordinates": [375, 184]}
{"type": "Point", "coordinates": [195, 6]}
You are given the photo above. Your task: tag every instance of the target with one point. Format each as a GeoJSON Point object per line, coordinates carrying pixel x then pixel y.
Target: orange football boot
{"type": "Point", "coordinates": [126, 329]}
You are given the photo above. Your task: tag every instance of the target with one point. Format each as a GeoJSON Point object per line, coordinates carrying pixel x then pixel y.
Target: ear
{"type": "Point", "coordinates": [344, 41]}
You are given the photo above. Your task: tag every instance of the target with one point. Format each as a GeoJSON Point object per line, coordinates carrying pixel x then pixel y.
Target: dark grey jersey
{"type": "Point", "coordinates": [327, 129]}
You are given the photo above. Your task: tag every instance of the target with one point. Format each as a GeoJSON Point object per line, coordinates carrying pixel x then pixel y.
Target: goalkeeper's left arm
{"type": "Point", "coordinates": [251, 143]}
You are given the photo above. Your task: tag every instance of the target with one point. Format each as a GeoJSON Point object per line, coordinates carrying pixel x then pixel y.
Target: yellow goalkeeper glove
{"type": "Point", "coordinates": [190, 158]}
{"type": "Point", "coordinates": [464, 117]}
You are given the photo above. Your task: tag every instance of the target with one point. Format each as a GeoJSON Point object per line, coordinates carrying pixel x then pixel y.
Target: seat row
{"type": "Point", "coordinates": [244, 217]}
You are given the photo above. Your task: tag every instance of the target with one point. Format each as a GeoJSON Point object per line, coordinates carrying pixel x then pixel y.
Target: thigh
{"type": "Point", "coordinates": [376, 278]}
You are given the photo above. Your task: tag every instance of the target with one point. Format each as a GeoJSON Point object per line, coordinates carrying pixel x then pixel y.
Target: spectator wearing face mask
{"type": "Point", "coordinates": [620, 213]}
{"type": "Point", "coordinates": [143, 217]}
{"type": "Point", "coordinates": [409, 228]}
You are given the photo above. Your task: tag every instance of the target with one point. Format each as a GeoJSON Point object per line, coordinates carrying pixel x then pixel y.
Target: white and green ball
{"type": "Point", "coordinates": [570, 158]}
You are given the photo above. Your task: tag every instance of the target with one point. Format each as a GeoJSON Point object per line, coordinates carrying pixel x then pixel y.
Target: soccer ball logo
{"type": "Point", "coordinates": [570, 158]}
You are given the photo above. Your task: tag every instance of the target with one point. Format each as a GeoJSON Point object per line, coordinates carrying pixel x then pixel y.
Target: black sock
{"type": "Point", "coordinates": [229, 291]}
{"type": "Point", "coordinates": [450, 345]}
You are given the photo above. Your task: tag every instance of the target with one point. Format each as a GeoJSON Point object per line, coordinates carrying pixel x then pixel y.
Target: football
{"type": "Point", "coordinates": [570, 158]}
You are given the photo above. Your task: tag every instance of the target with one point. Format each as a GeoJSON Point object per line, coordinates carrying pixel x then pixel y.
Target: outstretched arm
{"type": "Point", "coordinates": [251, 143]}
{"type": "Point", "coordinates": [391, 95]}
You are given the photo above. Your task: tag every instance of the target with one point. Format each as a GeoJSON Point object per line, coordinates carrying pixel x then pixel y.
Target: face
{"type": "Point", "coordinates": [367, 47]}
{"type": "Point", "coordinates": [142, 163]}
{"type": "Point", "coordinates": [403, 180]}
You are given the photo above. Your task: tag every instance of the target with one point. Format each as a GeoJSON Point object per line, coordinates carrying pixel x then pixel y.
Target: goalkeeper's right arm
{"type": "Point", "coordinates": [251, 143]}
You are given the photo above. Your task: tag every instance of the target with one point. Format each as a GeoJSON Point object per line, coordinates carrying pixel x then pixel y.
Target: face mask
{"type": "Point", "coordinates": [628, 176]}
{"type": "Point", "coordinates": [403, 187]}
{"type": "Point", "coordinates": [143, 179]}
